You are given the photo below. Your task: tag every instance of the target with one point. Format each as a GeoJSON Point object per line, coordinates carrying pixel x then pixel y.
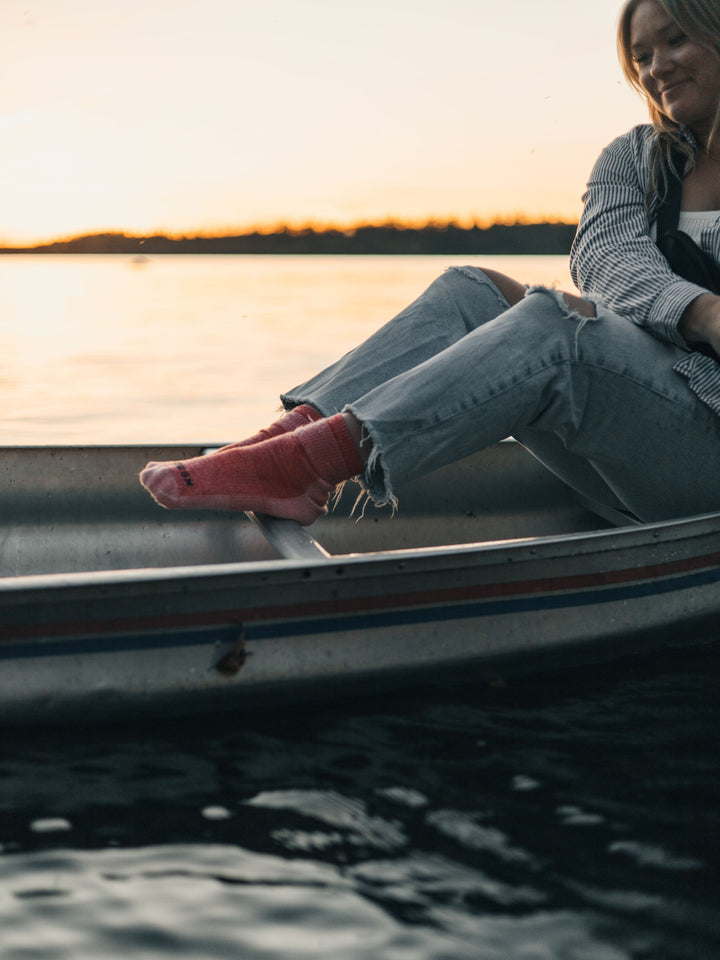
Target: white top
{"type": "Point", "coordinates": [693, 222]}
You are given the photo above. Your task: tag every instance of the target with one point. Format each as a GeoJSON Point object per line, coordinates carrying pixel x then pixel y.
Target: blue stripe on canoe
{"type": "Point", "coordinates": [228, 633]}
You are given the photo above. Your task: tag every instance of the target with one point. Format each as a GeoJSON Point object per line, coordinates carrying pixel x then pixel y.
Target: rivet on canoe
{"type": "Point", "coordinates": [234, 660]}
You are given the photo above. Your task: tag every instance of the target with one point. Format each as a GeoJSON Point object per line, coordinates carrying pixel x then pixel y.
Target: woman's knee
{"type": "Point", "coordinates": [514, 292]}
{"type": "Point", "coordinates": [511, 289]}
{"type": "Point", "coordinates": [586, 308]}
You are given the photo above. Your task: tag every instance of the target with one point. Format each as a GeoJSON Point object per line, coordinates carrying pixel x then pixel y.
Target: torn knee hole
{"type": "Point", "coordinates": [573, 306]}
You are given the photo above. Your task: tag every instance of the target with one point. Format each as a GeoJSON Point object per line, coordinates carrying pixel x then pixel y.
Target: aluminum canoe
{"type": "Point", "coordinates": [111, 607]}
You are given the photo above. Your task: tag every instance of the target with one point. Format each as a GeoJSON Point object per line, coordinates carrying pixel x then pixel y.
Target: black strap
{"type": "Point", "coordinates": [669, 212]}
{"type": "Point", "coordinates": [682, 253]}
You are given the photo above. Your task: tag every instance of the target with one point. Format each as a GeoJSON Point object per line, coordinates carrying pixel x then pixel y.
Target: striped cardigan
{"type": "Point", "coordinates": [614, 260]}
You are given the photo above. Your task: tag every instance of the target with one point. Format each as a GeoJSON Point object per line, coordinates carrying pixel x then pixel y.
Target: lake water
{"type": "Point", "coordinates": [106, 350]}
{"type": "Point", "coordinates": [570, 817]}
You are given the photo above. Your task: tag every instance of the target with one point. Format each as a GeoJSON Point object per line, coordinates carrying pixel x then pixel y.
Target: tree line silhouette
{"type": "Point", "coordinates": [387, 238]}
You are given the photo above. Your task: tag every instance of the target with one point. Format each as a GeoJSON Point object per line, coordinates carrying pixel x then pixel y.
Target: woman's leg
{"type": "Point", "coordinates": [576, 471]}
{"type": "Point", "coordinates": [295, 478]}
{"type": "Point", "coordinates": [603, 387]}
{"type": "Point", "coordinates": [458, 302]}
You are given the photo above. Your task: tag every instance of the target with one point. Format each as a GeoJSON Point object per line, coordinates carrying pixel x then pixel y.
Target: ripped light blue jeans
{"type": "Point", "coordinates": [595, 399]}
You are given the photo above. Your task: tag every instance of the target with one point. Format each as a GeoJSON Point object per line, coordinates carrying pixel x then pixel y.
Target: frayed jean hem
{"type": "Point", "coordinates": [374, 479]}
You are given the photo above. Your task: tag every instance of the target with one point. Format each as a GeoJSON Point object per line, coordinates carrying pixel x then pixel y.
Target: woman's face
{"type": "Point", "coordinates": [680, 76]}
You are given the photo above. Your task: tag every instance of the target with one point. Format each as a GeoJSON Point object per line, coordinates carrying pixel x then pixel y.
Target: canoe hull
{"type": "Point", "coordinates": [229, 635]}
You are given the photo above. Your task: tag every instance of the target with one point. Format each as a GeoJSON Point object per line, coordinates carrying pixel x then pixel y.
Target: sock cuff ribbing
{"type": "Point", "coordinates": [323, 446]}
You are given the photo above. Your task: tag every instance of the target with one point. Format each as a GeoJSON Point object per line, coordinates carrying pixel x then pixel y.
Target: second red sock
{"type": "Point", "coordinates": [291, 475]}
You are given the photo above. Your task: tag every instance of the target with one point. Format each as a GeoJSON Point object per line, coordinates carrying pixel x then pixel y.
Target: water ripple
{"type": "Point", "coordinates": [574, 819]}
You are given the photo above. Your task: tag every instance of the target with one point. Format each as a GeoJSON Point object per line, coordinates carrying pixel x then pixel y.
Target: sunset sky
{"type": "Point", "coordinates": [187, 116]}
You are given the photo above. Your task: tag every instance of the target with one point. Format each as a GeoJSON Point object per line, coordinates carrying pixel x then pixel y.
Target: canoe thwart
{"type": "Point", "coordinates": [289, 538]}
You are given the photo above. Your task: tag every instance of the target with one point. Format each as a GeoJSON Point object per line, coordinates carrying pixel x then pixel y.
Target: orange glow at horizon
{"type": "Point", "coordinates": [223, 230]}
{"type": "Point", "coordinates": [209, 117]}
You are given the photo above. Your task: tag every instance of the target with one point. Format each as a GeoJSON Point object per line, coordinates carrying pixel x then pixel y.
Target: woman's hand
{"type": "Point", "coordinates": [700, 323]}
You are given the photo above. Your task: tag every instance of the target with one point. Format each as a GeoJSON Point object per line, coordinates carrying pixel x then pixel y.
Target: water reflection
{"type": "Point", "coordinates": [99, 350]}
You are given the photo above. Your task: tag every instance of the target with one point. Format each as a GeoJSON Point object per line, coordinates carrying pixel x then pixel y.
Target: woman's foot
{"type": "Point", "coordinates": [291, 475]}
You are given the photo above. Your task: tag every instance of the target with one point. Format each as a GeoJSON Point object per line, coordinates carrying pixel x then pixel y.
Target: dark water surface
{"type": "Point", "coordinates": [570, 817]}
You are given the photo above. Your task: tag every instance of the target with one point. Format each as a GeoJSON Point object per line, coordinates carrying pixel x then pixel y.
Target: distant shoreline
{"type": "Point", "coordinates": [433, 238]}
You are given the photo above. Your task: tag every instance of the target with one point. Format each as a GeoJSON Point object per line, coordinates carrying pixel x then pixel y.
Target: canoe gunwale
{"type": "Point", "coordinates": [595, 542]}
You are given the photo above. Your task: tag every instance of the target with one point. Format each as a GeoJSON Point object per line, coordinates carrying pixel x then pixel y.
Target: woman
{"type": "Point", "coordinates": [605, 390]}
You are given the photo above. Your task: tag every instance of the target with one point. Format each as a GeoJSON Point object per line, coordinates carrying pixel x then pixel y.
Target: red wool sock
{"type": "Point", "coordinates": [297, 417]}
{"type": "Point", "coordinates": [291, 475]}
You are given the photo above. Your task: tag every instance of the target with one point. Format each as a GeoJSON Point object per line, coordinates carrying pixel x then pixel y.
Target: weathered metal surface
{"type": "Point", "coordinates": [138, 609]}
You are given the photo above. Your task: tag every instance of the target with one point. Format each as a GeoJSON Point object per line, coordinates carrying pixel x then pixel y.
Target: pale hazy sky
{"type": "Point", "coordinates": [203, 115]}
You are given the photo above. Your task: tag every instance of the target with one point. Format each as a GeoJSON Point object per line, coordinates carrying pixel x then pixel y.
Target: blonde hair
{"type": "Point", "coordinates": [699, 20]}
